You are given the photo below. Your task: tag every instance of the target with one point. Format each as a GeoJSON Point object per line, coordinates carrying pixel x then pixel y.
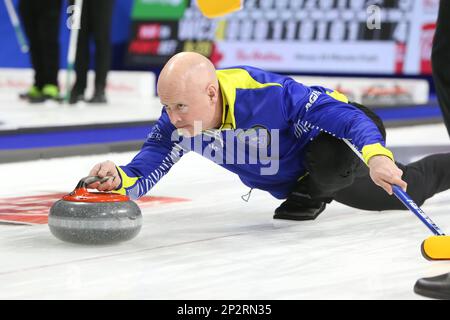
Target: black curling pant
{"type": "Point", "coordinates": [425, 178]}
{"type": "Point", "coordinates": [440, 58]}
{"type": "Point", "coordinates": [96, 19]}
{"type": "Point", "coordinates": [41, 20]}
{"type": "Point", "coordinates": [336, 173]}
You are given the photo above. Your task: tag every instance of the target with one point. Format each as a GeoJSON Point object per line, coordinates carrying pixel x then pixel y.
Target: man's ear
{"type": "Point", "coordinates": [212, 93]}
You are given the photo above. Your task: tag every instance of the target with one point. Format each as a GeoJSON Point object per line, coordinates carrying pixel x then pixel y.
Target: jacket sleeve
{"type": "Point", "coordinates": [316, 108]}
{"type": "Point", "coordinates": [158, 154]}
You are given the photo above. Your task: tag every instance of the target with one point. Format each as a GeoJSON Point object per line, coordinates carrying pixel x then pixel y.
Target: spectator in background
{"type": "Point", "coordinates": [41, 24]}
{"type": "Point", "coordinates": [96, 21]}
{"type": "Point", "coordinates": [440, 59]}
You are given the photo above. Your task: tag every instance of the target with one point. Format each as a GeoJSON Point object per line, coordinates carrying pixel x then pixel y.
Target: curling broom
{"type": "Point", "coordinates": [72, 52]}
{"type": "Point", "coordinates": [17, 27]}
{"type": "Point", "coordinates": [436, 247]}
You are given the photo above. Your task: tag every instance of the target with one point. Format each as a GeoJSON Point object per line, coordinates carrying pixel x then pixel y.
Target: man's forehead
{"type": "Point", "coordinates": [170, 87]}
{"type": "Point", "coordinates": [178, 95]}
{"type": "Point", "coordinates": [173, 99]}
{"type": "Point", "coordinates": [171, 96]}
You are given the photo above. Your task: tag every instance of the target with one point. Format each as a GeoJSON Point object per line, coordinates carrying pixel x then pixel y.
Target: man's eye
{"type": "Point", "coordinates": [181, 106]}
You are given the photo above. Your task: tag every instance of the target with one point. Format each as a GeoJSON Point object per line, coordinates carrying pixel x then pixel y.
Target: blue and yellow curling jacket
{"type": "Point", "coordinates": [268, 121]}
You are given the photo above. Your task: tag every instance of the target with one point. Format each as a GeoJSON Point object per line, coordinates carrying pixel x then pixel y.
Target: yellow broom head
{"type": "Point", "coordinates": [436, 248]}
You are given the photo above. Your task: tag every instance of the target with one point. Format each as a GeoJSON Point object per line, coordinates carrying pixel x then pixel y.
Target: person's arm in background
{"type": "Point", "coordinates": [441, 62]}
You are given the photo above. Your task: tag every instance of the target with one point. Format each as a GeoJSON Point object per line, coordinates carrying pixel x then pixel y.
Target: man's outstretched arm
{"type": "Point", "coordinates": [158, 154]}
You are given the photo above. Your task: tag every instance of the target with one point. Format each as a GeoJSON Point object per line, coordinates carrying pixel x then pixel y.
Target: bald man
{"type": "Point", "coordinates": [277, 135]}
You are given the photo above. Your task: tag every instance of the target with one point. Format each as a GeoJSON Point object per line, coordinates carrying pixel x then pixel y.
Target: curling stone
{"type": "Point", "coordinates": [94, 217]}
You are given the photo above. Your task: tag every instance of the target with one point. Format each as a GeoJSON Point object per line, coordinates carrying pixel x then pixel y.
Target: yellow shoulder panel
{"type": "Point", "coordinates": [338, 96]}
{"type": "Point", "coordinates": [232, 79]}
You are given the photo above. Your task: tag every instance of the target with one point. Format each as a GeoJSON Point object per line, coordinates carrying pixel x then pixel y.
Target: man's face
{"type": "Point", "coordinates": [190, 109]}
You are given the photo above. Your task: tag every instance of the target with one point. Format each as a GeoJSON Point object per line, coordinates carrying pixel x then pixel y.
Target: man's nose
{"type": "Point", "coordinates": [174, 117]}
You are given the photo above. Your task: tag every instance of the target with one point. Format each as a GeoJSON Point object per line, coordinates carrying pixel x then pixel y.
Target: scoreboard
{"type": "Point", "coordinates": [312, 36]}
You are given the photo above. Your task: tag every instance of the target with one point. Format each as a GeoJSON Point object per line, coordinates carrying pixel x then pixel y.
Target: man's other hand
{"type": "Point", "coordinates": [384, 173]}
